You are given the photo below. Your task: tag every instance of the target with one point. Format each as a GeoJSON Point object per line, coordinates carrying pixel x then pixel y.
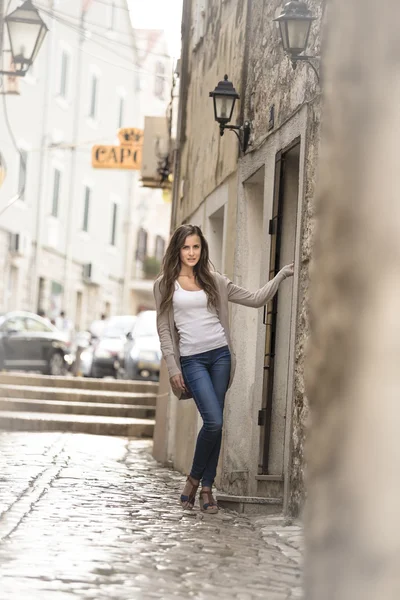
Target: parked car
{"type": "Point", "coordinates": [30, 343]}
{"type": "Point", "coordinates": [107, 350]}
{"type": "Point", "coordinates": [86, 361]}
{"type": "Point", "coordinates": [142, 353]}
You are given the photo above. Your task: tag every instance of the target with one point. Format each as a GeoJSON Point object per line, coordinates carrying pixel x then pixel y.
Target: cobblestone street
{"type": "Point", "coordinates": [95, 517]}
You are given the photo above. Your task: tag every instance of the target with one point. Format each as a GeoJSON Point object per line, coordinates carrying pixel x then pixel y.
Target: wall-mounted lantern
{"type": "Point", "coordinates": [294, 27]}
{"type": "Point", "coordinates": [26, 32]}
{"type": "Point", "coordinates": [224, 97]}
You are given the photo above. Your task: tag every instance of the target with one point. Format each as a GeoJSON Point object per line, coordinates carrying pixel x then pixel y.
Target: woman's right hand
{"type": "Point", "coordinates": [177, 383]}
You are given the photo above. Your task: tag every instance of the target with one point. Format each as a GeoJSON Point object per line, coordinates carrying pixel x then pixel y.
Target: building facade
{"type": "Point", "coordinates": [70, 241]}
{"type": "Point", "coordinates": [256, 208]}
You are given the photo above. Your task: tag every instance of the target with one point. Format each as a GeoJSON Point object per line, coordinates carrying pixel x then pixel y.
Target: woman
{"type": "Point", "coordinates": [193, 325]}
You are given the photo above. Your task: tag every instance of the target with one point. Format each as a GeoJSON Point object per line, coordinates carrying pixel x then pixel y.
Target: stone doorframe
{"type": "Point", "coordinates": [264, 156]}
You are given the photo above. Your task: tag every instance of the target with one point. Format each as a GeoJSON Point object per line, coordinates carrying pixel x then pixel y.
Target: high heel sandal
{"type": "Point", "coordinates": [207, 502]}
{"type": "Point", "coordinates": [187, 502]}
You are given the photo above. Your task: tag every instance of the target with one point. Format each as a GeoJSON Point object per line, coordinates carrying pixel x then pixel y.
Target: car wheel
{"type": "Point", "coordinates": [56, 365]}
{"type": "Point", "coordinates": [120, 373]}
{"type": "Point", "coordinates": [131, 373]}
{"type": "Point", "coordinates": [95, 373]}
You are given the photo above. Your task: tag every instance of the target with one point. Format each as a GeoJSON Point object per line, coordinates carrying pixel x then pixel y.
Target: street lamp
{"type": "Point", "coordinates": [294, 27]}
{"type": "Point", "coordinates": [224, 97]}
{"type": "Point", "coordinates": [26, 32]}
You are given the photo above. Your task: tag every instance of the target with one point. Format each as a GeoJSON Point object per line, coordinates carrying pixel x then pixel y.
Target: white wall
{"type": "Point", "coordinates": [58, 132]}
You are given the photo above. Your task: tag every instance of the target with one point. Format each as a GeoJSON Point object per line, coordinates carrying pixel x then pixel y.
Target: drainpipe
{"type": "Point", "coordinates": [74, 160]}
{"type": "Point", "coordinates": [245, 67]}
{"type": "Point", "coordinates": [129, 244]}
{"type": "Point", "coordinates": [133, 190]}
{"type": "Point", "coordinates": [42, 187]}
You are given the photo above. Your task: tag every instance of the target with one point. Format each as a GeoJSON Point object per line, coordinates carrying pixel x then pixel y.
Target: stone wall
{"type": "Point", "coordinates": [206, 158]}
{"type": "Point", "coordinates": [352, 375]}
{"type": "Point", "coordinates": [271, 80]}
{"type": "Point", "coordinates": [272, 83]}
{"type": "Point", "coordinates": [242, 40]}
{"type": "Point", "coordinates": [300, 402]}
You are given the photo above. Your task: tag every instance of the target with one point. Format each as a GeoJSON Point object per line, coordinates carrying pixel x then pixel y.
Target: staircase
{"type": "Point", "coordinates": [75, 404]}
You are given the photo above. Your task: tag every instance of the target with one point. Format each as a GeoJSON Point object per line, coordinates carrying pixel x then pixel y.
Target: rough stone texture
{"type": "Point", "coordinates": [206, 158]}
{"type": "Point", "coordinates": [86, 517]}
{"type": "Point", "coordinates": [300, 404]}
{"type": "Point", "coordinates": [242, 39]}
{"type": "Point", "coordinates": [271, 81]}
{"type": "Point", "coordinates": [353, 380]}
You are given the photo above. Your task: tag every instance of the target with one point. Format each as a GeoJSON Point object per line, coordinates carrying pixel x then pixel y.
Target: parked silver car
{"type": "Point", "coordinates": [107, 350]}
{"type": "Point", "coordinates": [142, 353]}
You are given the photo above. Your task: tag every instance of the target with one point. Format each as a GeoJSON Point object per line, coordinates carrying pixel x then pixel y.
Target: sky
{"type": "Point", "coordinates": [159, 14]}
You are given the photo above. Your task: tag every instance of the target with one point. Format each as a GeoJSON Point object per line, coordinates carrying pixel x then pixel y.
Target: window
{"type": "Point", "coordinates": [141, 250]}
{"type": "Point", "coordinates": [114, 224]}
{"type": "Point", "coordinates": [56, 192]}
{"type": "Point", "coordinates": [64, 74]}
{"type": "Point", "coordinates": [23, 164]}
{"type": "Point", "coordinates": [34, 325]}
{"type": "Point", "coordinates": [121, 109]}
{"type": "Point", "coordinates": [160, 80]}
{"type": "Point", "coordinates": [93, 96]}
{"type": "Point", "coordinates": [16, 324]}
{"type": "Point", "coordinates": [86, 208]}
{"type": "Point", "coordinates": [160, 247]}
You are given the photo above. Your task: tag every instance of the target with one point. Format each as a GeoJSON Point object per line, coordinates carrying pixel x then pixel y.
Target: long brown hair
{"type": "Point", "coordinates": [171, 267]}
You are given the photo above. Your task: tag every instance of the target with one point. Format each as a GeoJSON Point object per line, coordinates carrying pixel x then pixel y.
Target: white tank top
{"type": "Point", "coordinates": [199, 328]}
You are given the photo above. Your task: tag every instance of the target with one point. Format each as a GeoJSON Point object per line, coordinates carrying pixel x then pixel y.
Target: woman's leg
{"type": "Point", "coordinates": [220, 371]}
{"type": "Point", "coordinates": [197, 377]}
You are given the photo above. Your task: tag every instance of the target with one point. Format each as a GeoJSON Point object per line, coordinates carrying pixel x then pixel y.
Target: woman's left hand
{"type": "Point", "coordinates": [178, 384]}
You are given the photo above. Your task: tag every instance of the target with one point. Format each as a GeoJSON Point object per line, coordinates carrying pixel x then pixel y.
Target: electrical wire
{"type": "Point", "coordinates": [62, 16]}
{"type": "Point", "coordinates": [78, 30]}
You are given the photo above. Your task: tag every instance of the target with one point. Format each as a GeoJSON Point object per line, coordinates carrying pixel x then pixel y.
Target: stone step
{"type": "Point", "coordinates": [76, 395]}
{"type": "Point", "coordinates": [18, 378]}
{"type": "Point", "coordinates": [251, 505]}
{"type": "Point", "coordinates": [98, 425]}
{"type": "Point", "coordinates": [77, 408]}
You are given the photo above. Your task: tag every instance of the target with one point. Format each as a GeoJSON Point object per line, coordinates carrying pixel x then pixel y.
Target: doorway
{"type": "Point", "coordinates": [278, 317]}
{"type": "Point", "coordinates": [215, 237]}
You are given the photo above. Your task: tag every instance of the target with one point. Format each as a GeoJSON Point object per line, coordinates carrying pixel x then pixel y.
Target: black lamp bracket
{"type": "Point", "coordinates": [13, 73]}
{"type": "Point", "coordinates": [307, 59]}
{"type": "Point", "coordinates": [244, 129]}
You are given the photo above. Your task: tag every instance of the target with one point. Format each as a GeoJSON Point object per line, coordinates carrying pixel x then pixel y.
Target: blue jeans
{"type": "Point", "coordinates": [207, 377]}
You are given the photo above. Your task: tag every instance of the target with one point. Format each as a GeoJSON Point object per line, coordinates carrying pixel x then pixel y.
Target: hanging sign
{"type": "Point", "coordinates": [128, 155]}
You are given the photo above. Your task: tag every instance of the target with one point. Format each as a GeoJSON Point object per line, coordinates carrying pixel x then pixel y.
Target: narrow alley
{"type": "Point", "coordinates": [85, 516]}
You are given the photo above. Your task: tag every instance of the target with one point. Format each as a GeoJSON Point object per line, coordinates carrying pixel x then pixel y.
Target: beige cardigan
{"type": "Point", "coordinates": [228, 292]}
